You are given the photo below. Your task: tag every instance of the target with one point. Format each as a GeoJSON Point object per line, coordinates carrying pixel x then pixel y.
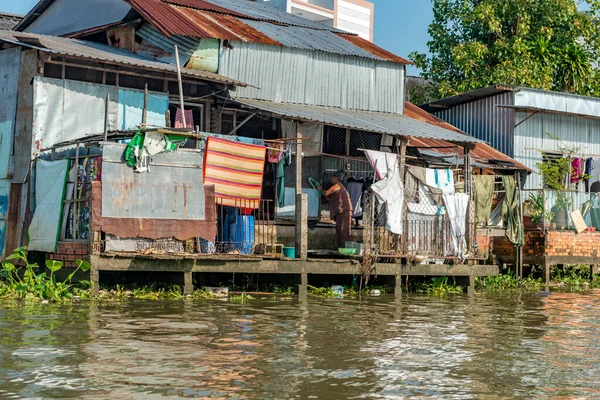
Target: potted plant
{"type": "Point", "coordinates": [534, 207]}
{"type": "Point", "coordinates": [556, 172]}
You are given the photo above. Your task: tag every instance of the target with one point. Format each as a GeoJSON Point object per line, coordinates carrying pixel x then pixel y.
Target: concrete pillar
{"type": "Point", "coordinates": [471, 285]}
{"type": "Point", "coordinates": [302, 226]}
{"type": "Point", "coordinates": [594, 270]}
{"type": "Point", "coordinates": [398, 285]}
{"type": "Point", "coordinates": [95, 279]}
{"type": "Point", "coordinates": [188, 283]}
{"type": "Point", "coordinates": [303, 287]}
{"type": "Point", "coordinates": [301, 203]}
{"type": "Point", "coordinates": [546, 269]}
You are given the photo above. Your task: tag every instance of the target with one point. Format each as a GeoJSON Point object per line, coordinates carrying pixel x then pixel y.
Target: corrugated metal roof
{"type": "Point", "coordinates": [249, 21]}
{"type": "Point", "coordinates": [482, 151]}
{"type": "Point", "coordinates": [468, 97]}
{"type": "Point", "coordinates": [391, 124]}
{"type": "Point", "coordinates": [103, 53]}
{"type": "Point", "coordinates": [9, 21]}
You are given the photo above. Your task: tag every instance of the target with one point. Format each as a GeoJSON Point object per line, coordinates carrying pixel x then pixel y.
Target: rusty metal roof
{"type": "Point", "coordinates": [104, 53]}
{"type": "Point", "coordinates": [483, 152]}
{"type": "Point", "coordinates": [9, 21]}
{"type": "Point", "coordinates": [249, 21]}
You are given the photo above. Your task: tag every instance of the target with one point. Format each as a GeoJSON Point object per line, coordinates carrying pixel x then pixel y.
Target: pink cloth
{"type": "Point", "coordinates": [189, 119]}
{"type": "Point", "coordinates": [576, 170]}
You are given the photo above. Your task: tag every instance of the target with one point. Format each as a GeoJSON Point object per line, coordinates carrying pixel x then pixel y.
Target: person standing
{"type": "Point", "coordinates": [340, 207]}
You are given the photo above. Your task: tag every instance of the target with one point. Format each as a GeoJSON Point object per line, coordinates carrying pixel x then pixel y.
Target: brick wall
{"type": "Point", "coordinates": [68, 252]}
{"type": "Point", "coordinates": [552, 244]}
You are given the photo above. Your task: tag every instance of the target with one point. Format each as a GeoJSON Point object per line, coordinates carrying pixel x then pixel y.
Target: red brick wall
{"type": "Point", "coordinates": [68, 252]}
{"type": "Point", "coordinates": [569, 243]}
{"type": "Point", "coordinates": [552, 244]}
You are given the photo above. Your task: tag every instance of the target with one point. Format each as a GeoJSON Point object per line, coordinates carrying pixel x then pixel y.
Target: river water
{"type": "Point", "coordinates": [510, 345]}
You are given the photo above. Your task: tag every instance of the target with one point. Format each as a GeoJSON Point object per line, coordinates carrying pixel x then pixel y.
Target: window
{"type": "Point", "coordinates": [346, 142]}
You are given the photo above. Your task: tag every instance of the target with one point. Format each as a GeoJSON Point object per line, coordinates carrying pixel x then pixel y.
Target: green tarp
{"type": "Point", "coordinates": [511, 213]}
{"type": "Point", "coordinates": [483, 186]}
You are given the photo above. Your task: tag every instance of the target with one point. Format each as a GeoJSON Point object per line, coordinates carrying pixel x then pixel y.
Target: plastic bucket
{"type": "Point", "coordinates": [244, 233]}
{"type": "Point", "coordinates": [289, 252]}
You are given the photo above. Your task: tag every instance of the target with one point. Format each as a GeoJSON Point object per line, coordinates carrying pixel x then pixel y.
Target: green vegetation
{"type": "Point", "coordinates": [241, 298]}
{"type": "Point", "coordinates": [440, 286]}
{"type": "Point", "coordinates": [571, 275]}
{"type": "Point", "coordinates": [544, 44]}
{"type": "Point", "coordinates": [508, 282]}
{"type": "Point", "coordinates": [29, 283]}
{"type": "Point", "coordinates": [152, 291]}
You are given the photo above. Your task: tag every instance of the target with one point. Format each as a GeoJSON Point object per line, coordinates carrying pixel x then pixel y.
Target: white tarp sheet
{"type": "Point", "coordinates": [50, 183]}
{"type": "Point", "coordinates": [66, 110]}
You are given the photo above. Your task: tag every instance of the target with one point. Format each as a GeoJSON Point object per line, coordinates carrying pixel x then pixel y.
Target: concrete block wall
{"type": "Point", "coordinates": [68, 252]}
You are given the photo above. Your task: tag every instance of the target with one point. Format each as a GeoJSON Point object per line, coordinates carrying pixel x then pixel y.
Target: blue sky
{"type": "Point", "coordinates": [400, 25]}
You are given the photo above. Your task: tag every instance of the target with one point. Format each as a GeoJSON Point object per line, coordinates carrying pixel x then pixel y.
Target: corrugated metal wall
{"type": "Point", "coordinates": [291, 75]}
{"type": "Point", "coordinates": [485, 120]}
{"type": "Point", "coordinates": [574, 132]}
{"type": "Point", "coordinates": [10, 67]}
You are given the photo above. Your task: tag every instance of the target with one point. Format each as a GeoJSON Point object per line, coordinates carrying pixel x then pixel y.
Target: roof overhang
{"type": "Point", "coordinates": [384, 123]}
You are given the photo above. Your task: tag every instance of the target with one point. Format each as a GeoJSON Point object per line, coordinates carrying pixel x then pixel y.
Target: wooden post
{"type": "Point", "coordinates": [181, 105]}
{"type": "Point", "coordinates": [145, 111]}
{"type": "Point", "coordinates": [301, 203]}
{"type": "Point", "coordinates": [106, 108]}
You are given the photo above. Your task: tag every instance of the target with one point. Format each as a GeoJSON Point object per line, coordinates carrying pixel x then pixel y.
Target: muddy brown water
{"type": "Point", "coordinates": [509, 345]}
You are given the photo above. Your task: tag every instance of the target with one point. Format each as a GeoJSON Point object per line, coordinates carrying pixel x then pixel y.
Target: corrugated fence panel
{"type": "Point", "coordinates": [172, 190]}
{"type": "Point", "coordinates": [534, 133]}
{"type": "Point", "coordinates": [484, 120]}
{"type": "Point", "coordinates": [10, 64]}
{"type": "Point", "coordinates": [317, 78]}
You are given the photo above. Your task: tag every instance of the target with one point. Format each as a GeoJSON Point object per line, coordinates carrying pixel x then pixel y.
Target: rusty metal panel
{"type": "Point", "coordinates": [10, 65]}
{"type": "Point", "coordinates": [8, 21]}
{"type": "Point", "coordinates": [173, 189]}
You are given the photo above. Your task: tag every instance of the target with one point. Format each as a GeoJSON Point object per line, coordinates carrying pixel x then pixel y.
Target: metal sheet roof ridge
{"type": "Point", "coordinates": [369, 120]}
{"type": "Point", "coordinates": [467, 97]}
{"type": "Point", "coordinates": [373, 48]}
{"type": "Point", "coordinates": [33, 14]}
{"type": "Point", "coordinates": [101, 52]}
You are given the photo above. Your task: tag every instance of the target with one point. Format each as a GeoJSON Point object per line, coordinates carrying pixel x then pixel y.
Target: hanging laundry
{"type": "Point", "coordinates": [280, 181]}
{"type": "Point", "coordinates": [383, 163]}
{"type": "Point", "coordinates": [594, 181]}
{"type": "Point", "coordinates": [144, 145]}
{"type": "Point", "coordinates": [510, 211]}
{"type": "Point", "coordinates": [390, 193]}
{"type": "Point", "coordinates": [442, 179]}
{"type": "Point", "coordinates": [275, 153]}
{"type": "Point", "coordinates": [355, 190]}
{"type": "Point", "coordinates": [483, 186]}
{"type": "Point", "coordinates": [456, 207]}
{"type": "Point", "coordinates": [576, 170]}
{"type": "Point", "coordinates": [236, 170]}
{"type": "Point", "coordinates": [189, 119]}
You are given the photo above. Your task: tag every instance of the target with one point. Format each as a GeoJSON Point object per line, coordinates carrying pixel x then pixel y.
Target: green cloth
{"type": "Point", "coordinates": [510, 212]}
{"type": "Point", "coordinates": [135, 147]}
{"type": "Point", "coordinates": [483, 186]}
{"type": "Point", "coordinates": [280, 182]}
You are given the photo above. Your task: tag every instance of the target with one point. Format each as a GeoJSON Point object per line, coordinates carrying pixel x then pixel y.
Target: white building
{"type": "Point", "coordinates": [355, 16]}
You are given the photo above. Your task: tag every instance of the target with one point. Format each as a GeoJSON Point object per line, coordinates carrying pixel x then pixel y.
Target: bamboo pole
{"type": "Point", "coordinates": [182, 106]}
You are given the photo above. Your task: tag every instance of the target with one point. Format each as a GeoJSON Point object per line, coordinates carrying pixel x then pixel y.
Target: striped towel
{"type": "Point", "coordinates": [236, 170]}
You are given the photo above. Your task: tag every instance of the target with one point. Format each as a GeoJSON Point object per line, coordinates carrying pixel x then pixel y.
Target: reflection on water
{"type": "Point", "coordinates": [485, 346]}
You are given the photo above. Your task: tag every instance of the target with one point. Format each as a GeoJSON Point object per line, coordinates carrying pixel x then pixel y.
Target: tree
{"type": "Point", "coordinates": [545, 44]}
